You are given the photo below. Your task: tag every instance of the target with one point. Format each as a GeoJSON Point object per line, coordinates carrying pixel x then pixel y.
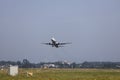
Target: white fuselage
{"type": "Point", "coordinates": [54, 42]}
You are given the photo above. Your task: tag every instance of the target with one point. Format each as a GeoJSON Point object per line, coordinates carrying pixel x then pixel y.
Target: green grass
{"type": "Point", "coordinates": [64, 74]}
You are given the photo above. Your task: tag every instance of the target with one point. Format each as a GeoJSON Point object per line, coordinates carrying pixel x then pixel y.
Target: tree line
{"type": "Point", "coordinates": [61, 64]}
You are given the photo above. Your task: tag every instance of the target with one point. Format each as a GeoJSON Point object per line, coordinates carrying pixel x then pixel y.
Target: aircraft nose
{"type": "Point", "coordinates": [53, 39]}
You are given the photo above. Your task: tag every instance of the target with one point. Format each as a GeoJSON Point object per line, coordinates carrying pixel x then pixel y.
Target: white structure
{"type": "Point", "coordinates": [13, 70]}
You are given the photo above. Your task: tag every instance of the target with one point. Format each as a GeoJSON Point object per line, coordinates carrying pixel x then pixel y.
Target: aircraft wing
{"type": "Point", "coordinates": [63, 43]}
{"type": "Point", "coordinates": [47, 43]}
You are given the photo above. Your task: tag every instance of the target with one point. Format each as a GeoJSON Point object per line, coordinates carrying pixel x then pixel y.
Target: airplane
{"type": "Point", "coordinates": [55, 43]}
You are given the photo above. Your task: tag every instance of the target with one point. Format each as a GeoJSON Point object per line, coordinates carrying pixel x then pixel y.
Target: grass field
{"type": "Point", "coordinates": [64, 74]}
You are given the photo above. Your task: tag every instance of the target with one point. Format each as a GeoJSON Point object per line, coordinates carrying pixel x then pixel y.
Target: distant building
{"type": "Point", "coordinates": [49, 66]}
{"type": "Point", "coordinates": [13, 70]}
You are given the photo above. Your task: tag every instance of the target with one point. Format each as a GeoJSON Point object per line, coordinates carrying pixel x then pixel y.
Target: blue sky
{"type": "Point", "coordinates": [93, 27]}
